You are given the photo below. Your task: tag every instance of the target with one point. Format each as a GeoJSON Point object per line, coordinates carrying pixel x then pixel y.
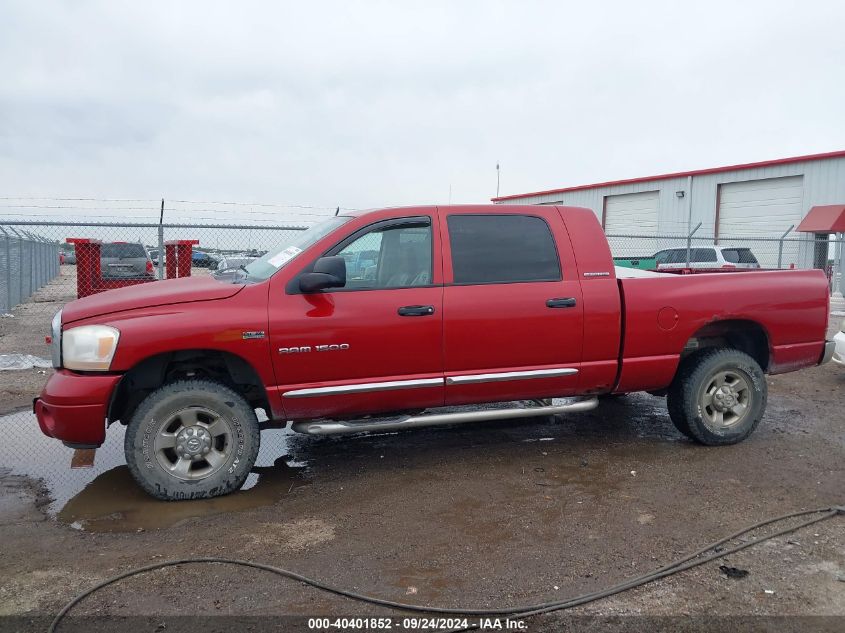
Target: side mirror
{"type": "Point", "coordinates": [329, 272]}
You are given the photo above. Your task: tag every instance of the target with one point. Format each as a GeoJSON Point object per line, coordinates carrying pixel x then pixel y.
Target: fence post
{"type": "Point", "coordinates": [161, 242]}
{"type": "Point", "coordinates": [7, 306]}
{"type": "Point", "coordinates": [37, 254]}
{"type": "Point", "coordinates": [22, 260]}
{"type": "Point", "coordinates": [780, 243]}
{"type": "Point", "coordinates": [34, 257]}
{"type": "Point", "coordinates": [17, 300]}
{"type": "Point", "coordinates": [31, 259]}
{"type": "Point", "coordinates": [689, 243]}
{"type": "Point", "coordinates": [33, 263]}
{"type": "Point", "coordinates": [42, 262]}
{"type": "Point", "coordinates": [45, 257]}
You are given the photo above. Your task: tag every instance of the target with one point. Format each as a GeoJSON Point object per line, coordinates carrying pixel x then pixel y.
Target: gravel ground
{"type": "Point", "coordinates": [490, 514]}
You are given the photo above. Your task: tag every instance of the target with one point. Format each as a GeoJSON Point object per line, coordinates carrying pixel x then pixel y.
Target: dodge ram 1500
{"type": "Point", "coordinates": [378, 320]}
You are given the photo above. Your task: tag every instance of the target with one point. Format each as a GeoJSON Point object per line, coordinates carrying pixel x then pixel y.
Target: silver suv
{"type": "Point", "coordinates": [706, 257]}
{"type": "Point", "coordinates": [125, 260]}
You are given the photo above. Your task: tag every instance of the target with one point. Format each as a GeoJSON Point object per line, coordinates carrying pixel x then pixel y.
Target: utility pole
{"type": "Point", "coordinates": [497, 179]}
{"type": "Point", "coordinates": [161, 242]}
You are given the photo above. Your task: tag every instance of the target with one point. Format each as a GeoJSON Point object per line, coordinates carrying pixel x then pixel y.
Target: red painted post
{"type": "Point", "coordinates": [87, 265]}
{"type": "Point", "coordinates": [170, 260]}
{"type": "Point", "coordinates": [184, 256]}
{"type": "Point", "coordinates": [179, 257]}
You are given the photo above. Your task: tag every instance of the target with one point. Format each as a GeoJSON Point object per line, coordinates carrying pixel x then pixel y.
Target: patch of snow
{"type": "Point", "coordinates": [22, 361]}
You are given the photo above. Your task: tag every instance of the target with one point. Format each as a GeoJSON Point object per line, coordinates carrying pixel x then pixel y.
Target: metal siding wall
{"type": "Point", "coordinates": [673, 210]}
{"type": "Point", "coordinates": [824, 183]}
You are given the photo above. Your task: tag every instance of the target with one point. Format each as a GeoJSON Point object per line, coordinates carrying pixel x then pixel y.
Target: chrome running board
{"type": "Point", "coordinates": [332, 427]}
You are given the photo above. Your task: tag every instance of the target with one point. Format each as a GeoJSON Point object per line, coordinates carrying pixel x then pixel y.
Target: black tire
{"type": "Point", "coordinates": [214, 435]}
{"type": "Point", "coordinates": [707, 413]}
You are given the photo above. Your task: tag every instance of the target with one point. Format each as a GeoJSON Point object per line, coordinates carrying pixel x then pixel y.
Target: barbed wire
{"type": "Point", "coordinates": [63, 221]}
{"type": "Point", "coordinates": [277, 205]}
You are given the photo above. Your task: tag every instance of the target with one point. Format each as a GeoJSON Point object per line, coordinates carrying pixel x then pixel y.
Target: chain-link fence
{"type": "Point", "coordinates": [53, 263]}
{"type": "Point", "coordinates": [27, 263]}
{"type": "Point", "coordinates": [672, 251]}
{"type": "Point", "coordinates": [44, 265]}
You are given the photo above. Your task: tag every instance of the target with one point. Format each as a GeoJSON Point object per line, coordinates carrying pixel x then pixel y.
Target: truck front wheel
{"type": "Point", "coordinates": [192, 439]}
{"type": "Point", "coordinates": [718, 396]}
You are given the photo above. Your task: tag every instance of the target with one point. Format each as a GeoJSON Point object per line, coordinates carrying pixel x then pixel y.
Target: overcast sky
{"type": "Point", "coordinates": [364, 104]}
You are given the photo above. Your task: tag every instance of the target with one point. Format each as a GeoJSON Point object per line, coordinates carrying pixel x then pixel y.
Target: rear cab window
{"type": "Point", "coordinates": [490, 249]}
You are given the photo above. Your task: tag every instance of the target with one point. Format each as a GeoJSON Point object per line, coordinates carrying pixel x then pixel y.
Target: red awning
{"type": "Point", "coordinates": [829, 218]}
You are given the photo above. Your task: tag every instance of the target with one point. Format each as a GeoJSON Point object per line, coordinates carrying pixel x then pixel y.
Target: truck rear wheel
{"type": "Point", "coordinates": [718, 396]}
{"type": "Point", "coordinates": [192, 439]}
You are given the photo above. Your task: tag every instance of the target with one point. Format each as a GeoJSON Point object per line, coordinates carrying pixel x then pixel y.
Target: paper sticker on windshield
{"type": "Point", "coordinates": [284, 256]}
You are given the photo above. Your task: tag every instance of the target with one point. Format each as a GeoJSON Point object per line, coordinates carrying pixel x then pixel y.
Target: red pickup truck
{"type": "Point", "coordinates": [374, 321]}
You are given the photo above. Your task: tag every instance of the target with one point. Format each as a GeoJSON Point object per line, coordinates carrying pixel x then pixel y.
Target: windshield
{"type": "Point", "coordinates": [277, 257]}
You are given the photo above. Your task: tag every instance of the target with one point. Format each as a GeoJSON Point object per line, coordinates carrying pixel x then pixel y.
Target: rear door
{"type": "Point", "coordinates": [512, 306]}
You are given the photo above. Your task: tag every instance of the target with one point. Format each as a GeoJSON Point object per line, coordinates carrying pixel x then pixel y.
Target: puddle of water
{"type": "Point", "coordinates": [106, 498]}
{"type": "Point", "coordinates": [113, 502]}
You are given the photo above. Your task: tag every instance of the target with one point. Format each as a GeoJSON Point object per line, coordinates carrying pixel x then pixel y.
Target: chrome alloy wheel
{"type": "Point", "coordinates": [725, 400]}
{"type": "Point", "coordinates": [193, 443]}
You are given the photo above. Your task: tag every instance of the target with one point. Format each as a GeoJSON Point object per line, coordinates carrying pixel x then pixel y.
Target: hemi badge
{"type": "Point", "coordinates": [254, 334]}
{"type": "Point", "coordinates": [597, 274]}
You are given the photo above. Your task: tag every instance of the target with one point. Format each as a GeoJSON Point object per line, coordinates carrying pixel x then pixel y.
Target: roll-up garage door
{"type": "Point", "coordinates": [761, 208]}
{"type": "Point", "coordinates": [632, 214]}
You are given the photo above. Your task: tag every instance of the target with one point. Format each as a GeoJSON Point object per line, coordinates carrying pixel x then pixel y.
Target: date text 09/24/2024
{"type": "Point", "coordinates": [415, 624]}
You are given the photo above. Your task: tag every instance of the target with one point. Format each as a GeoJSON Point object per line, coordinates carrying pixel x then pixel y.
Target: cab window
{"type": "Point", "coordinates": [389, 257]}
{"type": "Point", "coordinates": [489, 249]}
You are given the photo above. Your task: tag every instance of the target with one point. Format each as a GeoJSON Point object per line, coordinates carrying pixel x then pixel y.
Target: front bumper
{"type": "Point", "coordinates": [839, 349]}
{"type": "Point", "coordinates": [73, 407]}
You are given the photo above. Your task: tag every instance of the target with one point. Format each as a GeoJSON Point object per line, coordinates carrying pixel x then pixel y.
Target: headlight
{"type": "Point", "coordinates": [56, 340]}
{"type": "Point", "coordinates": [89, 347]}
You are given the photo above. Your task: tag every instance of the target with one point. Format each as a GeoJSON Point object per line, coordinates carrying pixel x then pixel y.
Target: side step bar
{"type": "Point", "coordinates": [332, 427]}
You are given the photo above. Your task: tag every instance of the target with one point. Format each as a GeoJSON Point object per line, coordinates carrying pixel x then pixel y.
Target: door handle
{"type": "Point", "coordinates": [567, 302]}
{"type": "Point", "coordinates": [416, 310]}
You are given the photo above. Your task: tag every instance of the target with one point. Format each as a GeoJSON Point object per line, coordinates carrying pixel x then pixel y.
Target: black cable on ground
{"type": "Point", "coordinates": [687, 562]}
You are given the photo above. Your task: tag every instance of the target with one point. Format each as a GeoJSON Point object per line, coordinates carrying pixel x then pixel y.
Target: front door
{"type": "Point", "coordinates": [512, 306]}
{"type": "Point", "coordinates": [374, 345]}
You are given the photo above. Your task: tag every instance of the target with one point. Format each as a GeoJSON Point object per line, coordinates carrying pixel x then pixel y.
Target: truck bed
{"type": "Point", "coordinates": [662, 312]}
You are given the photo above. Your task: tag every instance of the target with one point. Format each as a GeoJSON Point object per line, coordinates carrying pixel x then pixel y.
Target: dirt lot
{"type": "Point", "coordinates": [490, 514]}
